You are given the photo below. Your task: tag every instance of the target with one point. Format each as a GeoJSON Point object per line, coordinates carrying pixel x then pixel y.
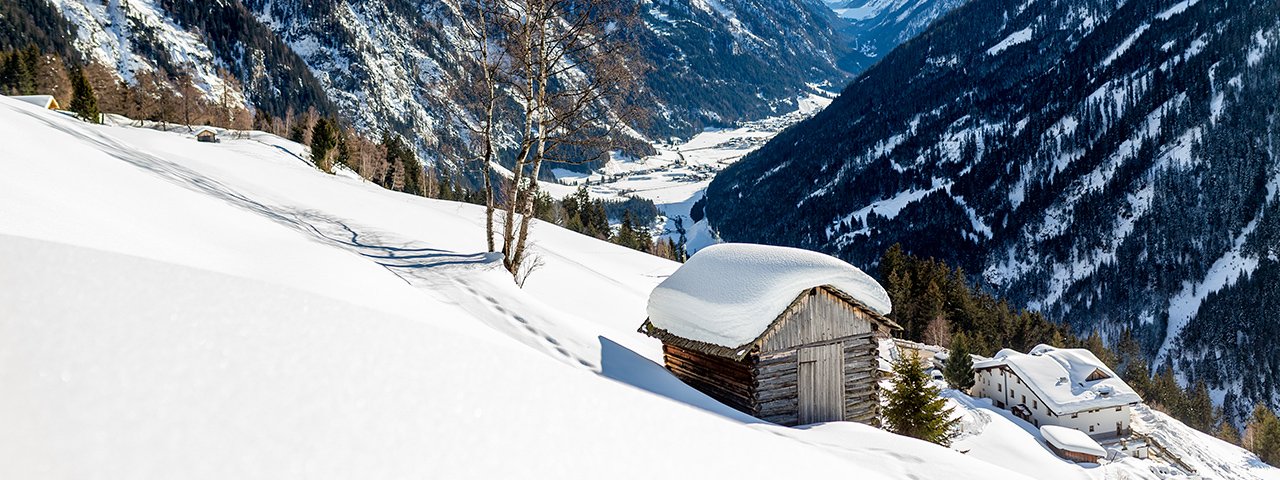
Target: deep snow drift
{"type": "Point", "coordinates": [172, 309]}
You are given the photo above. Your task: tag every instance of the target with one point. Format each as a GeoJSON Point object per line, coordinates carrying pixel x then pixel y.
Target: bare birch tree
{"type": "Point", "coordinates": [485, 34]}
{"type": "Point", "coordinates": [570, 69]}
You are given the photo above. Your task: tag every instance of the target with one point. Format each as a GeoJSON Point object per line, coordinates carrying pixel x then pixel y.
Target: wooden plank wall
{"type": "Point", "coordinates": [766, 384]}
{"type": "Point", "coordinates": [822, 386]}
{"type": "Point", "coordinates": [720, 378]}
{"type": "Point", "coordinates": [818, 317]}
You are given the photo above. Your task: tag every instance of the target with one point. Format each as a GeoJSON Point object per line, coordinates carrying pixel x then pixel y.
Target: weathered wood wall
{"type": "Point", "coordinates": [777, 389]}
{"type": "Point", "coordinates": [723, 379]}
{"type": "Point", "coordinates": [816, 317]}
{"type": "Point", "coordinates": [766, 383]}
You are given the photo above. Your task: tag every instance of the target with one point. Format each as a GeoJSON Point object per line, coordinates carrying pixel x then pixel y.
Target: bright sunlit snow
{"type": "Point", "coordinates": [176, 309]}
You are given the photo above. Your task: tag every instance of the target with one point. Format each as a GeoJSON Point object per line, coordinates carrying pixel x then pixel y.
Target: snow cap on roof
{"type": "Point", "coordinates": [42, 101]}
{"type": "Point", "coordinates": [1071, 440]}
{"type": "Point", "coordinates": [728, 294]}
{"type": "Point", "coordinates": [1067, 380]}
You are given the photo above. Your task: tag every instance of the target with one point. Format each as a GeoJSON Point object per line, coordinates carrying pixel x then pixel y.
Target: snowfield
{"type": "Point", "coordinates": [171, 309]}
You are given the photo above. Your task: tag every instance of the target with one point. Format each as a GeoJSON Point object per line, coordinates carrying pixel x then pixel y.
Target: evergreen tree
{"type": "Point", "coordinates": [631, 236]}
{"type": "Point", "coordinates": [959, 368]}
{"type": "Point", "coordinates": [915, 408]}
{"type": "Point", "coordinates": [1262, 435]}
{"type": "Point", "coordinates": [324, 137]}
{"type": "Point", "coordinates": [83, 102]}
{"type": "Point", "coordinates": [1095, 344]}
{"type": "Point", "coordinates": [1197, 409]}
{"type": "Point", "coordinates": [10, 70]}
{"type": "Point", "coordinates": [1227, 431]}
{"type": "Point", "coordinates": [30, 64]}
{"type": "Point", "coordinates": [1165, 393]}
{"type": "Point", "coordinates": [298, 130]}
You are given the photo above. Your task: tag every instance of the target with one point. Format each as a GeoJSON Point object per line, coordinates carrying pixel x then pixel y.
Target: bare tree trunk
{"type": "Point", "coordinates": [526, 209]}
{"type": "Point", "coordinates": [569, 63]}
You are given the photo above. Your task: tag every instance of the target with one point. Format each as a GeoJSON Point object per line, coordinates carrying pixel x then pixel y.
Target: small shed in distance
{"type": "Point", "coordinates": [783, 334]}
{"type": "Point", "coordinates": [1072, 444]}
{"type": "Point", "coordinates": [207, 135]}
{"type": "Point", "coordinates": [42, 101]}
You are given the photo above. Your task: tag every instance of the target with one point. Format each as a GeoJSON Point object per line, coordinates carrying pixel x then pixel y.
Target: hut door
{"type": "Point", "coordinates": [821, 383]}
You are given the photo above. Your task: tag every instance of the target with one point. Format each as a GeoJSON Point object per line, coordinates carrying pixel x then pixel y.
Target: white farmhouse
{"type": "Point", "coordinates": [1068, 387]}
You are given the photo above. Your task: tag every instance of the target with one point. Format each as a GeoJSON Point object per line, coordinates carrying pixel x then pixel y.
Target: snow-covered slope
{"type": "Point", "coordinates": [176, 309]}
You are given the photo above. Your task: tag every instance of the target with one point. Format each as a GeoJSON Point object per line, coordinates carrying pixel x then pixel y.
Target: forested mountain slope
{"type": "Point", "coordinates": [399, 64]}
{"type": "Point", "coordinates": [1108, 162]}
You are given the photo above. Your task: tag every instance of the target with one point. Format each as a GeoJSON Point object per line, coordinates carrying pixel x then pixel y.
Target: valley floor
{"type": "Point", "coordinates": [677, 176]}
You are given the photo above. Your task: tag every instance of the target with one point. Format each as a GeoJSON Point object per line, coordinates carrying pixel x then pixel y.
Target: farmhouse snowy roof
{"type": "Point", "coordinates": [1071, 440]}
{"type": "Point", "coordinates": [42, 101]}
{"type": "Point", "coordinates": [1067, 380]}
{"type": "Point", "coordinates": [728, 295]}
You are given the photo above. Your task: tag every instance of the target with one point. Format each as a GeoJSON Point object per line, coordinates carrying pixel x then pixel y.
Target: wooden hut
{"type": "Point", "coordinates": [785, 335]}
{"type": "Point", "coordinates": [207, 135]}
{"type": "Point", "coordinates": [1072, 444]}
{"type": "Point", "coordinates": [42, 101]}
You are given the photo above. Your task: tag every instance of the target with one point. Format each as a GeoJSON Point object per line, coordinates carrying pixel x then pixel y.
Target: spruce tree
{"type": "Point", "coordinates": [1197, 409]}
{"type": "Point", "coordinates": [915, 408]}
{"type": "Point", "coordinates": [626, 235]}
{"type": "Point", "coordinates": [83, 101]}
{"type": "Point", "coordinates": [324, 137]}
{"type": "Point", "coordinates": [10, 68]}
{"type": "Point", "coordinates": [1262, 436]}
{"type": "Point", "coordinates": [1227, 431]}
{"type": "Point", "coordinates": [959, 368]}
{"type": "Point", "coordinates": [28, 71]}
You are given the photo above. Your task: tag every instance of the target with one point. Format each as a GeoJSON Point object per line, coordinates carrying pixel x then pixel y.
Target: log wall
{"type": "Point", "coordinates": [765, 384]}
{"type": "Point", "coordinates": [728, 381]}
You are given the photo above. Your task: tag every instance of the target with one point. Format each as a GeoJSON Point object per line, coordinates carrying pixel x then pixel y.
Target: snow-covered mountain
{"type": "Point", "coordinates": [877, 26]}
{"type": "Point", "coordinates": [174, 308]}
{"type": "Point", "coordinates": [398, 64]}
{"type": "Point", "coordinates": [1107, 162]}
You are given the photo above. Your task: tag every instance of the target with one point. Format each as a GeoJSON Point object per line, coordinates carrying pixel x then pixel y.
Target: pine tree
{"type": "Point", "coordinates": [1262, 435]}
{"type": "Point", "coordinates": [1227, 431]}
{"type": "Point", "coordinates": [298, 130]}
{"type": "Point", "coordinates": [10, 68]}
{"type": "Point", "coordinates": [625, 235]}
{"type": "Point", "coordinates": [915, 408]}
{"type": "Point", "coordinates": [1197, 410]}
{"type": "Point", "coordinates": [83, 101]}
{"type": "Point", "coordinates": [959, 368]}
{"type": "Point", "coordinates": [1095, 344]}
{"type": "Point", "coordinates": [30, 64]}
{"type": "Point", "coordinates": [324, 137]}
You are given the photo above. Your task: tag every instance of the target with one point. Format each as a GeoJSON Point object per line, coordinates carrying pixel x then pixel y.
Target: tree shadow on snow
{"type": "Point", "coordinates": [620, 363]}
